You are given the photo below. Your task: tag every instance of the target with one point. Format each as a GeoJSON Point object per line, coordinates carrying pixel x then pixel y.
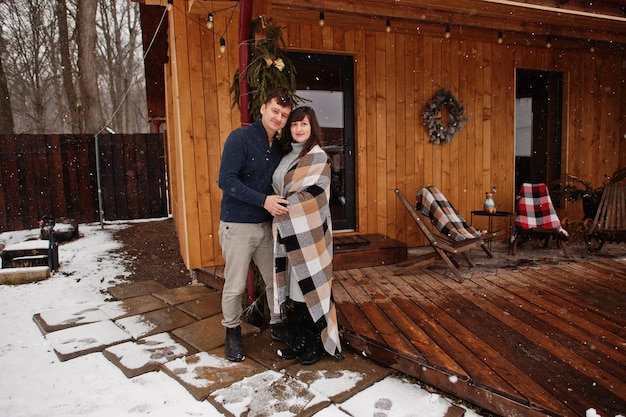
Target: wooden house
{"type": "Point", "coordinates": [542, 83]}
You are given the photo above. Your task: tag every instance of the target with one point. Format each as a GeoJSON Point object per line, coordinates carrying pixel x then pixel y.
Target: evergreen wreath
{"type": "Point", "coordinates": [269, 67]}
{"type": "Point", "coordinates": [439, 133]}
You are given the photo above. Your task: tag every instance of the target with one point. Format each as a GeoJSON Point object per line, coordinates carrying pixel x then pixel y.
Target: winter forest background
{"type": "Point", "coordinates": [71, 66]}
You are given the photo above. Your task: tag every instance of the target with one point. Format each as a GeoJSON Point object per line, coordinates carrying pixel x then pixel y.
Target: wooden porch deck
{"type": "Point", "coordinates": [548, 341]}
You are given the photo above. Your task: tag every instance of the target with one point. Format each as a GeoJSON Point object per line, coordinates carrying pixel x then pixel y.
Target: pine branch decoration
{"type": "Point", "coordinates": [269, 67]}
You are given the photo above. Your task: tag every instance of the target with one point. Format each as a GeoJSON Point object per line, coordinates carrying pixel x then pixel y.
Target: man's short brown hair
{"type": "Point", "coordinates": [282, 96]}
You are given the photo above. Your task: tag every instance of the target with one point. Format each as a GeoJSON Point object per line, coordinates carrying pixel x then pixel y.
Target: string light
{"type": "Point", "coordinates": [210, 21]}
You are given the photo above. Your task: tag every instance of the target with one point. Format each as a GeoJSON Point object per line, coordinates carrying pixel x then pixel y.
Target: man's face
{"type": "Point", "coordinates": [274, 116]}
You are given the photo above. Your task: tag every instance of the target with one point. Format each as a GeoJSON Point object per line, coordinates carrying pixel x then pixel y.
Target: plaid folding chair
{"type": "Point", "coordinates": [536, 218]}
{"type": "Point", "coordinates": [452, 234]}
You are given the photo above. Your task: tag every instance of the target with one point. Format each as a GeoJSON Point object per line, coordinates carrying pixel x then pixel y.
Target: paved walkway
{"type": "Point", "coordinates": [147, 327]}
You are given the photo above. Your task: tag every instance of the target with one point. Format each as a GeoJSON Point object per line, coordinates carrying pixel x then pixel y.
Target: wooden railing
{"type": "Point", "coordinates": [58, 176]}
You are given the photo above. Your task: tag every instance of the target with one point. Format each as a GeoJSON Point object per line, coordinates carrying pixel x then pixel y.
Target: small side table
{"type": "Point", "coordinates": [491, 216]}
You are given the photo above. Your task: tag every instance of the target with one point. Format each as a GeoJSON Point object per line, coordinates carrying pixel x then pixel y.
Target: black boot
{"type": "Point", "coordinates": [295, 350]}
{"type": "Point", "coordinates": [314, 347]}
{"type": "Point", "coordinates": [297, 341]}
{"type": "Point", "coordinates": [284, 332]}
{"type": "Point", "coordinates": [233, 348]}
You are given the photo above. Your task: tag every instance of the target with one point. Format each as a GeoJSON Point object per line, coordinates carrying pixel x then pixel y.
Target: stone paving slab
{"type": "Point", "coordinates": [147, 354]}
{"type": "Point", "coordinates": [339, 380]}
{"type": "Point", "coordinates": [391, 395]}
{"type": "Point", "coordinates": [144, 333]}
{"type": "Point", "coordinates": [205, 372]}
{"type": "Point", "coordinates": [51, 321]}
{"type": "Point", "coordinates": [334, 411]}
{"type": "Point", "coordinates": [182, 294]}
{"type": "Point", "coordinates": [88, 338]}
{"type": "Point", "coordinates": [268, 393]}
{"type": "Point", "coordinates": [135, 289]}
{"type": "Point", "coordinates": [209, 333]}
{"type": "Point", "coordinates": [152, 322]}
{"type": "Point", "coordinates": [204, 307]}
{"type": "Point", "coordinates": [131, 306]}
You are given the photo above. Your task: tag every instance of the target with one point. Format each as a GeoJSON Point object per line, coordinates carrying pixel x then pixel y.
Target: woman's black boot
{"type": "Point", "coordinates": [294, 351]}
{"type": "Point", "coordinates": [314, 347]}
{"type": "Point", "coordinates": [313, 339]}
{"type": "Point", "coordinates": [297, 322]}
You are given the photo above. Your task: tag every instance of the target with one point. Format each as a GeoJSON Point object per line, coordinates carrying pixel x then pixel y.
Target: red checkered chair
{"type": "Point", "coordinates": [536, 218]}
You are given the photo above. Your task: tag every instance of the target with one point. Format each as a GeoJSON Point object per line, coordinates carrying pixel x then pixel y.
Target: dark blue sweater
{"type": "Point", "coordinates": [246, 174]}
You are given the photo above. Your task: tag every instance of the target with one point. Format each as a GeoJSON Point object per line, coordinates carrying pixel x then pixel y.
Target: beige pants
{"type": "Point", "coordinates": [241, 243]}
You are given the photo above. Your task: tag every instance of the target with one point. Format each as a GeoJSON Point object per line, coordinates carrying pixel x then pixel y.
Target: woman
{"type": "Point", "coordinates": [304, 243]}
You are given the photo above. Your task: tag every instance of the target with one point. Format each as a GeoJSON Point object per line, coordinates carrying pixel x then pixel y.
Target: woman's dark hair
{"type": "Point", "coordinates": [317, 136]}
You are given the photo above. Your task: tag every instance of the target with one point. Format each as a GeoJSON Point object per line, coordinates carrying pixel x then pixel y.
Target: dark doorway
{"type": "Point", "coordinates": [538, 115]}
{"type": "Point", "coordinates": [327, 81]}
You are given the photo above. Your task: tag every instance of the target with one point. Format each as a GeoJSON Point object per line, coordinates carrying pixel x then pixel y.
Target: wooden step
{"type": "Point", "coordinates": [359, 251]}
{"type": "Point", "coordinates": [349, 251]}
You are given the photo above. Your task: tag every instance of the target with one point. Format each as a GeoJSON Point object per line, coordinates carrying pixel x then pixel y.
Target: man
{"type": "Point", "coordinates": [251, 154]}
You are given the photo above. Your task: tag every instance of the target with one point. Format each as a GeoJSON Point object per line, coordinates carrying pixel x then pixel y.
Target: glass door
{"type": "Point", "coordinates": [327, 83]}
{"type": "Point", "coordinates": [538, 136]}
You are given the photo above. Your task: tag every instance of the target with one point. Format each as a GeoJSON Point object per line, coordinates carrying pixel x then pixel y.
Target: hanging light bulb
{"type": "Point", "coordinates": [549, 42]}
{"type": "Point", "coordinates": [388, 26]}
{"type": "Point", "coordinates": [322, 22]}
{"type": "Point", "coordinates": [170, 5]}
{"type": "Point", "coordinates": [222, 45]}
{"type": "Point", "coordinates": [592, 47]}
{"type": "Point", "coordinates": [209, 21]}
{"type": "Point", "coordinates": [500, 37]}
{"type": "Point", "coordinates": [447, 34]}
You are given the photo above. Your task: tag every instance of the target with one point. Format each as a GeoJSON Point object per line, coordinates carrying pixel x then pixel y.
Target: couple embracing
{"type": "Point", "coordinates": [275, 211]}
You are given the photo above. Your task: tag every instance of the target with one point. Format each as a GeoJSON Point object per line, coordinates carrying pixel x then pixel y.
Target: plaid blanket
{"type": "Point", "coordinates": [303, 241]}
{"type": "Point", "coordinates": [443, 216]}
{"type": "Point", "coordinates": [536, 211]}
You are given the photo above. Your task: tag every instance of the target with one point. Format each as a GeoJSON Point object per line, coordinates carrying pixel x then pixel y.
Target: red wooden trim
{"type": "Point", "coordinates": [245, 28]}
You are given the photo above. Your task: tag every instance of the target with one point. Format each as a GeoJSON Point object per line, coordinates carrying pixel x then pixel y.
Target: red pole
{"type": "Point", "coordinates": [245, 28]}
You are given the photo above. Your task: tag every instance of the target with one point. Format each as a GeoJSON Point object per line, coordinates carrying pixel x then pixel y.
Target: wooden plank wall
{"type": "Point", "coordinates": [396, 74]}
{"type": "Point", "coordinates": [56, 175]}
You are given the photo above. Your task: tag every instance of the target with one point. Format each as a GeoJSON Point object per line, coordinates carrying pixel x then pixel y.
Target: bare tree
{"type": "Point", "coordinates": [120, 36]}
{"type": "Point", "coordinates": [73, 65]}
{"type": "Point", "coordinates": [88, 65]}
{"type": "Point", "coordinates": [6, 117]}
{"type": "Point", "coordinates": [26, 62]}
{"type": "Point", "coordinates": [67, 67]}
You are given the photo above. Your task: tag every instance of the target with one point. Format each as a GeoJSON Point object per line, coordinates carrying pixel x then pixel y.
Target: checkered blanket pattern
{"type": "Point", "coordinates": [304, 242]}
{"type": "Point", "coordinates": [442, 214]}
{"type": "Point", "coordinates": [535, 209]}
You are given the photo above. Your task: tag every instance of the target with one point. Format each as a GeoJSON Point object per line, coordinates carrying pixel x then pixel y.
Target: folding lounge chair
{"type": "Point", "coordinates": [453, 236]}
{"type": "Point", "coordinates": [536, 218]}
{"type": "Point", "coordinates": [609, 225]}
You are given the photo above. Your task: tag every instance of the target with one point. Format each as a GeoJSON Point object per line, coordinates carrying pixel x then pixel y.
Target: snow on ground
{"type": "Point", "coordinates": [35, 383]}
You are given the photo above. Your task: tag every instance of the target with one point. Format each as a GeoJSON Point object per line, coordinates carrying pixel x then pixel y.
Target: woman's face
{"type": "Point", "coordinates": [301, 130]}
